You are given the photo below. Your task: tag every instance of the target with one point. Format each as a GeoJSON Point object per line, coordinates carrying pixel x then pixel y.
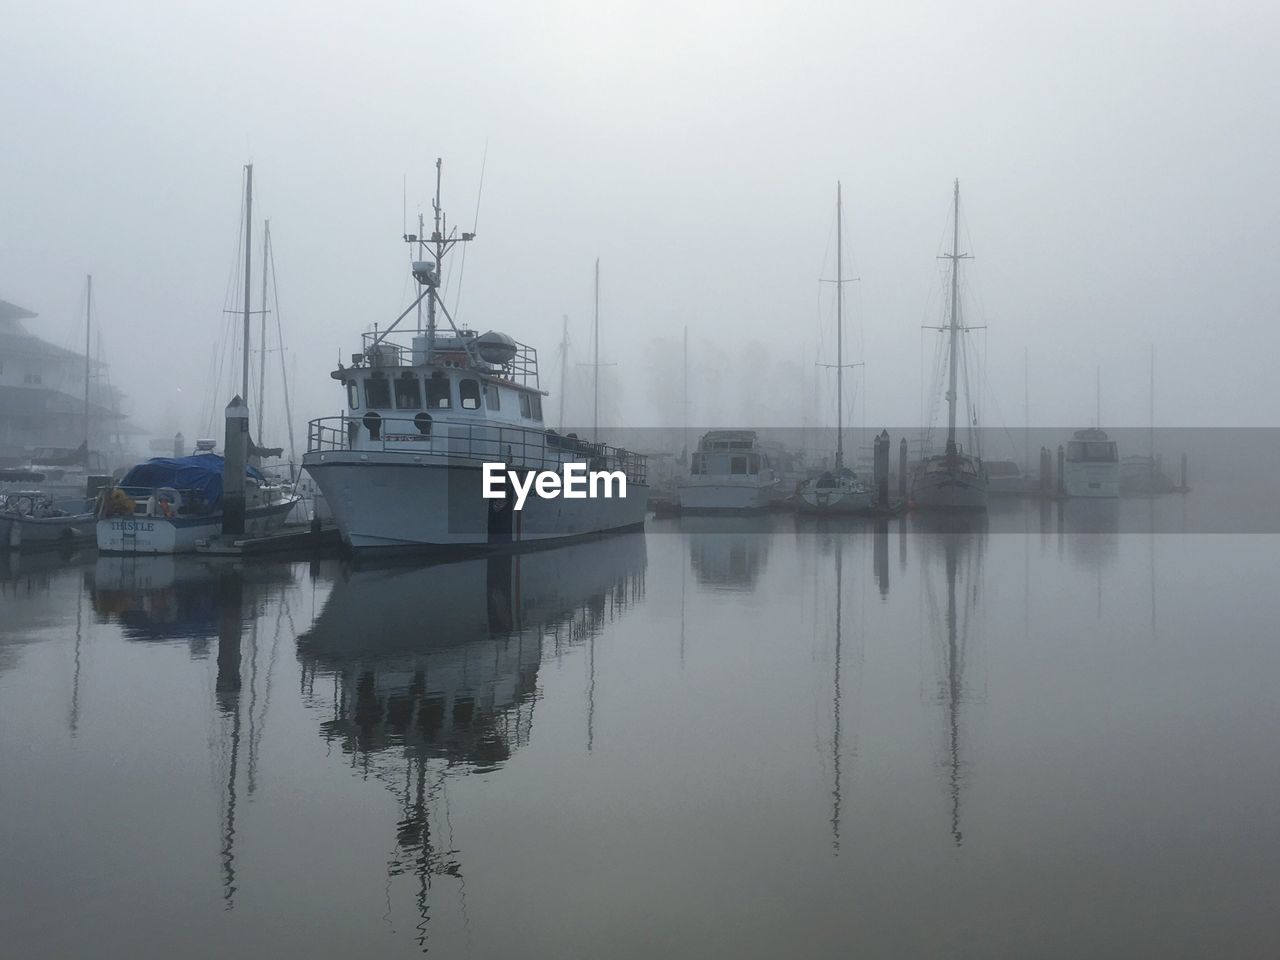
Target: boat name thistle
{"type": "Point", "coordinates": [574, 482]}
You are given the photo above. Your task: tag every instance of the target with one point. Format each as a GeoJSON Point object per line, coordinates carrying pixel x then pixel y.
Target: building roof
{"type": "Point", "coordinates": [38, 401]}
{"type": "Point", "coordinates": [11, 311]}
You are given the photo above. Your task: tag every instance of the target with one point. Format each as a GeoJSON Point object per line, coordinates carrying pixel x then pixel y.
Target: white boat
{"type": "Point", "coordinates": [170, 504]}
{"type": "Point", "coordinates": [32, 519]}
{"type": "Point", "coordinates": [837, 491]}
{"type": "Point", "coordinates": [728, 473]}
{"type": "Point", "coordinates": [403, 467]}
{"type": "Point", "coordinates": [1092, 465]}
{"type": "Point", "coordinates": [954, 479]}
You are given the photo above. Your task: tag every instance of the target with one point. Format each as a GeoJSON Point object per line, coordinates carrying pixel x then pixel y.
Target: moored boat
{"type": "Point", "coordinates": [728, 473]}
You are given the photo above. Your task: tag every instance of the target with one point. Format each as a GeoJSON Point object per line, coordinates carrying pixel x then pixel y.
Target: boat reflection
{"type": "Point", "coordinates": [958, 543]}
{"type": "Point", "coordinates": [431, 672]}
{"type": "Point", "coordinates": [729, 552]}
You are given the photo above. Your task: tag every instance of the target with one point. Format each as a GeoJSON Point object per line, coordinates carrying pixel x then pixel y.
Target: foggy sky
{"type": "Point", "coordinates": [1117, 165]}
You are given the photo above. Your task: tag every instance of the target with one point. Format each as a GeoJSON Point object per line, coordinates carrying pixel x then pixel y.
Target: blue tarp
{"type": "Point", "coordinates": [201, 473]}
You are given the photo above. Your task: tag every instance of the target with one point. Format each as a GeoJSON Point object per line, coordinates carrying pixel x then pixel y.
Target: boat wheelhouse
{"type": "Point", "coordinates": [403, 466]}
{"type": "Point", "coordinates": [729, 473]}
{"type": "Point", "coordinates": [1092, 465]}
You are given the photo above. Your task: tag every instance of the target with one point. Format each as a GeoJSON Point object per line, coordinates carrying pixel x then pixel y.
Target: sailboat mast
{"type": "Point", "coordinates": [248, 241]}
{"type": "Point", "coordinates": [684, 438]}
{"type": "Point", "coordinates": [839, 328]}
{"type": "Point", "coordinates": [955, 322]}
{"type": "Point", "coordinates": [88, 320]}
{"type": "Point", "coordinates": [564, 360]}
{"type": "Point", "coordinates": [595, 388]}
{"type": "Point", "coordinates": [262, 328]}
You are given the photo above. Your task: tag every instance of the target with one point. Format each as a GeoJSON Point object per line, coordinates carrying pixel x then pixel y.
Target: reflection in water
{"type": "Point", "coordinates": [433, 670]}
{"type": "Point", "coordinates": [186, 598]}
{"type": "Point", "coordinates": [962, 540]}
{"type": "Point", "coordinates": [729, 553]}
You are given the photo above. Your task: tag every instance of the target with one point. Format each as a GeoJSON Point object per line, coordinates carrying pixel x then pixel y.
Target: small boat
{"type": "Point", "coordinates": [169, 504]}
{"type": "Point", "coordinates": [32, 519]}
{"type": "Point", "coordinates": [1006, 479]}
{"type": "Point", "coordinates": [837, 491]}
{"type": "Point", "coordinates": [954, 479]}
{"type": "Point", "coordinates": [1092, 465]}
{"type": "Point", "coordinates": [728, 474]}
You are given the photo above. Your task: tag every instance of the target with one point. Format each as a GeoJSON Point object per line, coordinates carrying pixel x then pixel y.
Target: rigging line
{"type": "Point", "coordinates": [475, 226]}
{"type": "Point", "coordinates": [284, 377]}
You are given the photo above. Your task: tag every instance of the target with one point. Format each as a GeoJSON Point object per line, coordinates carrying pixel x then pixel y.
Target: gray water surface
{"type": "Point", "coordinates": [732, 737]}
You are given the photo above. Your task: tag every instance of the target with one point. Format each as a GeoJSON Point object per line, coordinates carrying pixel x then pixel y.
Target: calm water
{"type": "Point", "coordinates": [746, 738]}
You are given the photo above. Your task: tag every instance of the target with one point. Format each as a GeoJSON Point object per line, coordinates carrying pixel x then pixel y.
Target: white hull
{"type": "Point", "coordinates": [724, 494]}
{"type": "Point", "coordinates": [1091, 479]}
{"type": "Point", "coordinates": [136, 534]}
{"type": "Point", "coordinates": [407, 502]}
{"type": "Point", "coordinates": [35, 532]}
{"type": "Point", "coordinates": [949, 490]}
{"type": "Point", "coordinates": [835, 501]}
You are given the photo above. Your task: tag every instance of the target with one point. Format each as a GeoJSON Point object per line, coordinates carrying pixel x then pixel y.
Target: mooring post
{"type": "Point", "coordinates": [1182, 475]}
{"type": "Point", "coordinates": [179, 445]}
{"type": "Point", "coordinates": [235, 451]}
{"type": "Point", "coordinates": [882, 469]}
{"type": "Point", "coordinates": [902, 468]}
{"type": "Point", "coordinates": [1062, 471]}
{"type": "Point", "coordinates": [1046, 471]}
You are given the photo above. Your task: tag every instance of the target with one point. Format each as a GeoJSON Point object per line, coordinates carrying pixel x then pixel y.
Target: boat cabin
{"type": "Point", "coordinates": [1092, 446]}
{"type": "Point", "coordinates": [729, 453]}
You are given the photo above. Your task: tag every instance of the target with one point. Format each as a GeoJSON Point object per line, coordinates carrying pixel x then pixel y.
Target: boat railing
{"type": "Point", "coordinates": [401, 349]}
{"type": "Point", "coordinates": [518, 447]}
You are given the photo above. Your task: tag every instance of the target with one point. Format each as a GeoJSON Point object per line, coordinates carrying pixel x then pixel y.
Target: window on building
{"type": "Point", "coordinates": [469, 394]}
{"type": "Point", "coordinates": [408, 395]}
{"type": "Point", "coordinates": [492, 400]}
{"type": "Point", "coordinates": [524, 405]}
{"type": "Point", "coordinates": [438, 395]}
{"type": "Point", "coordinates": [377, 393]}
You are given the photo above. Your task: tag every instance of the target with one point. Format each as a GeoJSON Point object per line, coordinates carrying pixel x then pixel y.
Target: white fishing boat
{"type": "Point", "coordinates": [839, 490]}
{"type": "Point", "coordinates": [403, 467]}
{"type": "Point", "coordinates": [728, 473]}
{"type": "Point", "coordinates": [31, 519]}
{"type": "Point", "coordinates": [1092, 465]}
{"type": "Point", "coordinates": [955, 479]}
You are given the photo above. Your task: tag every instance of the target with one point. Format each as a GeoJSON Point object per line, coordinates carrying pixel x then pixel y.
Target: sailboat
{"type": "Point", "coordinates": [171, 504]}
{"type": "Point", "coordinates": [838, 491]}
{"type": "Point", "coordinates": [955, 480]}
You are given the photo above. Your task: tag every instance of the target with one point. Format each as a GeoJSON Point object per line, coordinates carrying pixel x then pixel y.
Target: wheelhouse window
{"type": "Point", "coordinates": [469, 394]}
{"type": "Point", "coordinates": [438, 394]}
{"type": "Point", "coordinates": [353, 395]}
{"type": "Point", "coordinates": [408, 394]}
{"type": "Point", "coordinates": [695, 467]}
{"type": "Point", "coordinates": [492, 400]}
{"type": "Point", "coordinates": [377, 393]}
{"type": "Point", "coordinates": [535, 407]}
{"type": "Point", "coordinates": [1093, 451]}
{"type": "Point", "coordinates": [738, 466]}
{"type": "Point", "coordinates": [525, 410]}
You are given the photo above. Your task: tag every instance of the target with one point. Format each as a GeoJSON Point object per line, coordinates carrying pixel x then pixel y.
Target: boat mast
{"type": "Point", "coordinates": [88, 319]}
{"type": "Point", "coordinates": [564, 359]}
{"type": "Point", "coordinates": [262, 328]}
{"type": "Point", "coordinates": [839, 329]}
{"type": "Point", "coordinates": [684, 400]}
{"type": "Point", "coordinates": [954, 325]}
{"type": "Point", "coordinates": [595, 388]}
{"type": "Point", "coordinates": [248, 241]}
{"type": "Point", "coordinates": [437, 237]}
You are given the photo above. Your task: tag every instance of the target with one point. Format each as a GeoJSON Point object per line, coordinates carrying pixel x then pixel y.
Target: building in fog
{"type": "Point", "coordinates": [42, 397]}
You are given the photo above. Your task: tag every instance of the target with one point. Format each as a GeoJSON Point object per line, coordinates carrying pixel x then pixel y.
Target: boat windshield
{"type": "Point", "coordinates": [1092, 451]}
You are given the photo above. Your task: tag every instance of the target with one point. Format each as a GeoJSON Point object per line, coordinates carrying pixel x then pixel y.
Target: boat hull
{"type": "Point", "coordinates": [722, 495]}
{"type": "Point", "coordinates": [1100, 480]}
{"type": "Point", "coordinates": [835, 502]}
{"type": "Point", "coordinates": [386, 501]}
{"type": "Point", "coordinates": [949, 490]}
{"type": "Point", "coordinates": [162, 535]}
{"type": "Point", "coordinates": [28, 533]}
